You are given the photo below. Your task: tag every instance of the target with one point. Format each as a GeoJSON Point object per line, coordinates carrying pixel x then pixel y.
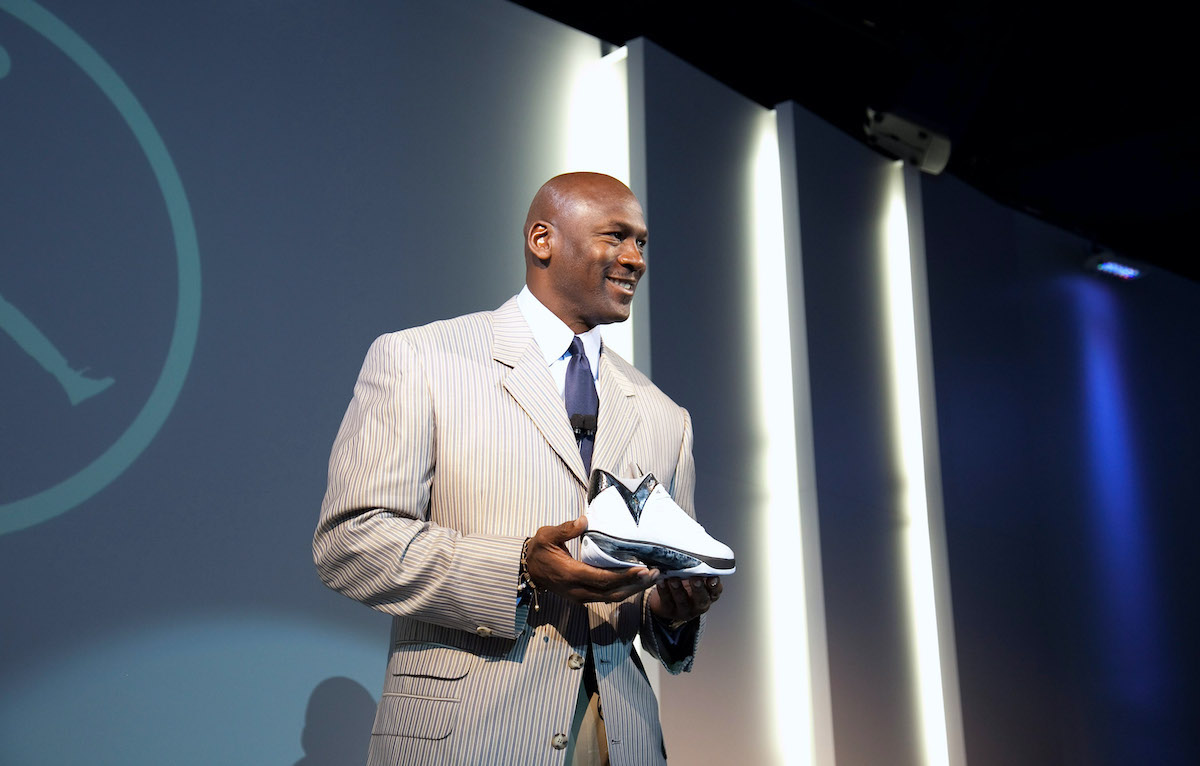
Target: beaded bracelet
{"type": "Point", "coordinates": [526, 582]}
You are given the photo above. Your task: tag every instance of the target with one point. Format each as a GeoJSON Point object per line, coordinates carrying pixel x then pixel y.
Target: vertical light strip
{"type": "Point", "coordinates": [598, 116]}
{"type": "Point", "coordinates": [778, 484]}
{"type": "Point", "coordinates": [597, 139]}
{"type": "Point", "coordinates": [821, 750]}
{"type": "Point", "coordinates": [910, 467]}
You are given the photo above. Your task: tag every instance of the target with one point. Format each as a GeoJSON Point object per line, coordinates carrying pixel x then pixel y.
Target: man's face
{"type": "Point", "coordinates": [599, 258]}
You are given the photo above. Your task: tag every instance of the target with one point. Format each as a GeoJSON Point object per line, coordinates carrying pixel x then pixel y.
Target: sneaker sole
{"type": "Point", "coordinates": [610, 552]}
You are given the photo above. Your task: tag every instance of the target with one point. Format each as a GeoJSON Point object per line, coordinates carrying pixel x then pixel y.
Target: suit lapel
{"type": "Point", "coordinates": [618, 419]}
{"type": "Point", "coordinates": [530, 384]}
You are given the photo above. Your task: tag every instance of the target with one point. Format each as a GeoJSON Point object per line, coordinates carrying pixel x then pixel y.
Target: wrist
{"type": "Point", "coordinates": [673, 624]}
{"type": "Point", "coordinates": [525, 583]}
{"type": "Point", "coordinates": [669, 623]}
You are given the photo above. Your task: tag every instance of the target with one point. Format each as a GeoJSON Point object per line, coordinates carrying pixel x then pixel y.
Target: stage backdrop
{"type": "Point", "coordinates": [209, 209]}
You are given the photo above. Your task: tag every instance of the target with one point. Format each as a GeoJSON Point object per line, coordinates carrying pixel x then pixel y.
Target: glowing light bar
{"type": "Point", "coordinates": [778, 482]}
{"type": "Point", "coordinates": [598, 140]}
{"type": "Point", "coordinates": [910, 467]}
{"type": "Point", "coordinates": [1119, 270]}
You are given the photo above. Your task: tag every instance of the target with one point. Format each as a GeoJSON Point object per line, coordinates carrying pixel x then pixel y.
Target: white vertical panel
{"type": "Point", "coordinates": [934, 509]}
{"type": "Point", "coordinates": [785, 520]}
{"type": "Point", "coordinates": [931, 638]}
{"type": "Point", "coordinates": [597, 140]}
{"type": "Point", "coordinates": [820, 709]}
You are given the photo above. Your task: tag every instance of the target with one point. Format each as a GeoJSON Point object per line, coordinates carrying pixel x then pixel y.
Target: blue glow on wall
{"type": "Point", "coordinates": [1129, 622]}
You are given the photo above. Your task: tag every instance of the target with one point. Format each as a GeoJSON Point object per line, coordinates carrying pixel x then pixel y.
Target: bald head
{"type": "Point", "coordinates": [561, 196]}
{"type": "Point", "coordinates": [584, 240]}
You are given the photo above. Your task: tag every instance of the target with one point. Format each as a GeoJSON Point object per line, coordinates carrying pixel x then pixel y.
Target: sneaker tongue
{"type": "Point", "coordinates": [646, 482]}
{"type": "Point", "coordinates": [637, 499]}
{"type": "Point", "coordinates": [635, 492]}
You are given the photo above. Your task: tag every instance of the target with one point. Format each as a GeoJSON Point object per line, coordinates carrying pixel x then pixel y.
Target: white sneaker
{"type": "Point", "coordinates": [634, 522]}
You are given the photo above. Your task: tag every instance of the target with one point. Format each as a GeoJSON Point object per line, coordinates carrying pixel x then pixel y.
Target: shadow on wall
{"type": "Point", "coordinates": [337, 724]}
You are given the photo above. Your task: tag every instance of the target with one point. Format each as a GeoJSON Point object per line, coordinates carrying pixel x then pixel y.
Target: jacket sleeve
{"type": "Point", "coordinates": [374, 541]}
{"type": "Point", "coordinates": [679, 656]}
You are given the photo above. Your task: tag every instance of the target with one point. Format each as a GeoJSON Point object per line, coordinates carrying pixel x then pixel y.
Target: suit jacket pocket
{"type": "Point", "coordinates": [402, 716]}
{"type": "Point", "coordinates": [422, 693]}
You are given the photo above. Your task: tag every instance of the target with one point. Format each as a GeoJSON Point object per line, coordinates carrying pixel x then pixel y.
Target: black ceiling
{"type": "Point", "coordinates": [1082, 118]}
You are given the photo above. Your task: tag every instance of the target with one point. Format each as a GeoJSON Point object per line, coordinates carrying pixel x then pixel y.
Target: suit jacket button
{"type": "Point", "coordinates": [574, 662]}
{"type": "Point", "coordinates": [483, 631]}
{"type": "Point", "coordinates": [559, 742]}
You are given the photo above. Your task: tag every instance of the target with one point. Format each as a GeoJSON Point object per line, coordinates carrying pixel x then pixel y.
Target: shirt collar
{"type": "Point", "coordinates": [552, 334]}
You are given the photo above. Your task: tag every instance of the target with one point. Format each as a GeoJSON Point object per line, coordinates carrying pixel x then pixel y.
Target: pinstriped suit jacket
{"type": "Point", "coordinates": [454, 449]}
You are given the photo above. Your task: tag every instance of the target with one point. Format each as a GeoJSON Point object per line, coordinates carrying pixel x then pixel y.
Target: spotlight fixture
{"type": "Point", "coordinates": [1106, 262]}
{"type": "Point", "coordinates": [906, 140]}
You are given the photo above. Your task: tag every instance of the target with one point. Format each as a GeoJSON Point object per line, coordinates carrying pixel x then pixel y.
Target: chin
{"type": "Point", "coordinates": [610, 312]}
{"type": "Point", "coordinates": [619, 315]}
{"type": "Point", "coordinates": [613, 318]}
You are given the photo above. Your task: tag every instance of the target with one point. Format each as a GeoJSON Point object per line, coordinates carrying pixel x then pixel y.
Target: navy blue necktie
{"type": "Point", "coordinates": [583, 405]}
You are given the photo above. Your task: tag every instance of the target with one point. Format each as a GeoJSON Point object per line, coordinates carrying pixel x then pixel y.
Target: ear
{"type": "Point", "coordinates": [539, 240]}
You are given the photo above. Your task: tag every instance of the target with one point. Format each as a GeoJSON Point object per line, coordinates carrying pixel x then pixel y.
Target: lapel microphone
{"type": "Point", "coordinates": [583, 426]}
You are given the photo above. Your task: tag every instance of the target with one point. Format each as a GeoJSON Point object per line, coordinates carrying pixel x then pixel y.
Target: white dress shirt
{"type": "Point", "coordinates": [554, 339]}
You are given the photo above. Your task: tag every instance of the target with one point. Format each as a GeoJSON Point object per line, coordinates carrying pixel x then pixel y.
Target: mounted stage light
{"type": "Point", "coordinates": [1106, 262]}
{"type": "Point", "coordinates": [1118, 270]}
{"type": "Point", "coordinates": [905, 140]}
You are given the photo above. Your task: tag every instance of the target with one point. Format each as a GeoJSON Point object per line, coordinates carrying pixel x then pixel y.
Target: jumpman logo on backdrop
{"type": "Point", "coordinates": [77, 386]}
{"type": "Point", "coordinates": [108, 272]}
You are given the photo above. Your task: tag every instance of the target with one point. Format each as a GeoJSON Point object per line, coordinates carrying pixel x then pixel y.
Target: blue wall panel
{"type": "Point", "coordinates": [1069, 441]}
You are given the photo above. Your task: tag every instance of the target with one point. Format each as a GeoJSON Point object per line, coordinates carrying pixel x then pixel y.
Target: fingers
{"type": "Point", "coordinates": [715, 588]}
{"type": "Point", "coordinates": [612, 585]}
{"type": "Point", "coordinates": [685, 598]}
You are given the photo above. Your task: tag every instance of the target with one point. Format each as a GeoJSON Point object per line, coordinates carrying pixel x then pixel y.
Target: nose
{"type": "Point", "coordinates": [631, 256]}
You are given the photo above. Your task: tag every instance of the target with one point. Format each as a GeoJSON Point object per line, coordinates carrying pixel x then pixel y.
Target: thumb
{"type": "Point", "coordinates": [569, 530]}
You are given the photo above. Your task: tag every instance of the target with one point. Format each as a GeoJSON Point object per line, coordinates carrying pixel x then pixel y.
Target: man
{"type": "Point", "coordinates": [456, 477]}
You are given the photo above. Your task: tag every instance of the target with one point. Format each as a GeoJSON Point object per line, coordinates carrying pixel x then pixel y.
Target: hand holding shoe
{"type": "Point", "coordinates": [551, 567]}
{"type": "Point", "coordinates": [677, 599]}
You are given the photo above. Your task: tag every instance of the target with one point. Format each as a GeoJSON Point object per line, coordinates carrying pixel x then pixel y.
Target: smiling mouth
{"type": "Point", "coordinates": [626, 286]}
